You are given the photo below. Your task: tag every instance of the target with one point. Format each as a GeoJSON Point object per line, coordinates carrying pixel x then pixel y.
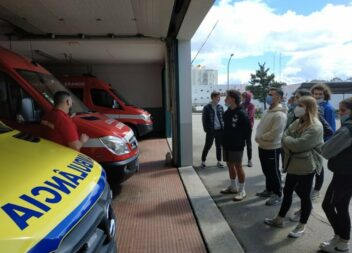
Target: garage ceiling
{"type": "Point", "coordinates": [101, 31]}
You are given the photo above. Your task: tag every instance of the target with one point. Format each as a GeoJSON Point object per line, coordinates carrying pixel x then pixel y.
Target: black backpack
{"type": "Point", "coordinates": [342, 163]}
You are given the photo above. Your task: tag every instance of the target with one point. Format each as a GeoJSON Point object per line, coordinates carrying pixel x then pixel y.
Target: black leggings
{"type": "Point", "coordinates": [209, 140]}
{"type": "Point", "coordinates": [319, 180]}
{"type": "Point", "coordinates": [249, 146]}
{"type": "Point", "coordinates": [336, 204]}
{"type": "Point", "coordinates": [302, 185]}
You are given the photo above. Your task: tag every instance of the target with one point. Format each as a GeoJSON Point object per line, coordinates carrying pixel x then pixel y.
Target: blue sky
{"type": "Point", "coordinates": [308, 38]}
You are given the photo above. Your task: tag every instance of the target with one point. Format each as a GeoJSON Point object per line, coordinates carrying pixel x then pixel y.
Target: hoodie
{"type": "Point", "coordinates": [271, 127]}
{"type": "Point", "coordinates": [248, 107]}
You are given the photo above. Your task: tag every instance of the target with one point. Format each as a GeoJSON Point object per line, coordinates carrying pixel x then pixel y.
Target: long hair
{"type": "Point", "coordinates": [347, 103]}
{"type": "Point", "coordinates": [311, 113]}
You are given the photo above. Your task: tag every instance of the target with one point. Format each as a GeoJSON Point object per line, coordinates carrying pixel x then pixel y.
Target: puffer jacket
{"type": "Point", "coordinates": [208, 117]}
{"type": "Point", "coordinates": [303, 150]}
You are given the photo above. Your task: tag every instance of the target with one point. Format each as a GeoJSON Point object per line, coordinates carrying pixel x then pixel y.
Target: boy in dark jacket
{"type": "Point", "coordinates": [213, 125]}
{"type": "Point", "coordinates": [237, 128]}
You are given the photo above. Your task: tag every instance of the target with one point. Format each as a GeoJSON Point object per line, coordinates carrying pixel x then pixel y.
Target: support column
{"type": "Point", "coordinates": [184, 103]}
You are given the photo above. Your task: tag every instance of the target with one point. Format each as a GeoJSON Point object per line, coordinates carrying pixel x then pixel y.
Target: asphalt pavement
{"type": "Point", "coordinates": [246, 218]}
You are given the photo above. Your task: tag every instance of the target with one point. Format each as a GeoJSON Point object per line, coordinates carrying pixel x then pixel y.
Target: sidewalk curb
{"type": "Point", "coordinates": [216, 232]}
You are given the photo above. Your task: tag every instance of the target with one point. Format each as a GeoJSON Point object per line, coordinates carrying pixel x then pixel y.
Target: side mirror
{"type": "Point", "coordinates": [115, 105]}
{"type": "Point", "coordinates": [28, 112]}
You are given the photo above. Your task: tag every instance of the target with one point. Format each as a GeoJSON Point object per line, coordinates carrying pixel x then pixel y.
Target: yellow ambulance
{"type": "Point", "coordinates": [52, 198]}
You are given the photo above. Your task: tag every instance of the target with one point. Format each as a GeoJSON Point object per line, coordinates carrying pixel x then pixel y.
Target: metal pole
{"type": "Point", "coordinates": [228, 71]}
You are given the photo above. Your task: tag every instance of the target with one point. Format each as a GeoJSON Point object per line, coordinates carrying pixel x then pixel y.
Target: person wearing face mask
{"type": "Point", "coordinates": [302, 142]}
{"type": "Point", "coordinates": [338, 150]}
{"type": "Point", "coordinates": [327, 130]}
{"type": "Point", "coordinates": [237, 128]}
{"type": "Point", "coordinates": [268, 136]}
{"type": "Point", "coordinates": [248, 107]}
{"type": "Point", "coordinates": [60, 128]}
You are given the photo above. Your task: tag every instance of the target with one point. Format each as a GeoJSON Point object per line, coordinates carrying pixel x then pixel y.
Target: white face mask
{"type": "Point", "coordinates": [299, 111]}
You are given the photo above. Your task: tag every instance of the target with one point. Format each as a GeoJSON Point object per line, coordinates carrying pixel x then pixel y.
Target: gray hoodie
{"type": "Point", "coordinates": [271, 127]}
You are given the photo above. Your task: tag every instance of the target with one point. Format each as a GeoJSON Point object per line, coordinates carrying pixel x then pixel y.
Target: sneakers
{"type": "Point", "coordinates": [329, 246]}
{"type": "Point", "coordinates": [229, 190]}
{"type": "Point", "coordinates": [264, 194]}
{"type": "Point", "coordinates": [240, 196]}
{"type": "Point", "coordinates": [297, 232]}
{"type": "Point", "coordinates": [341, 246]}
{"type": "Point", "coordinates": [275, 222]}
{"type": "Point", "coordinates": [296, 216]}
{"type": "Point", "coordinates": [220, 165]}
{"type": "Point", "coordinates": [250, 164]}
{"type": "Point", "coordinates": [273, 200]}
{"type": "Point", "coordinates": [315, 195]}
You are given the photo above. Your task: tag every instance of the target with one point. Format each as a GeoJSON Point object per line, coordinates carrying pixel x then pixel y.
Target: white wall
{"type": "Point", "coordinates": [140, 84]}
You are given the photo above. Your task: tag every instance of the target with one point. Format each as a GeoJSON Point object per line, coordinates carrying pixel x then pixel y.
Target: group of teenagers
{"type": "Point", "coordinates": [303, 134]}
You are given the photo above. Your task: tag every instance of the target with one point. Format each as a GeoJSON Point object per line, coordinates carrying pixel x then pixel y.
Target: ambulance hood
{"type": "Point", "coordinates": [45, 190]}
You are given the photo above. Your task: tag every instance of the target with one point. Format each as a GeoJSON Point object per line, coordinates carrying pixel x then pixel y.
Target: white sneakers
{"type": "Point", "coordinates": [298, 231]}
{"type": "Point", "coordinates": [334, 245]}
{"type": "Point", "coordinates": [219, 165]}
{"type": "Point", "coordinates": [275, 222]}
{"type": "Point", "coordinates": [229, 190]}
{"type": "Point", "coordinates": [279, 223]}
{"type": "Point", "coordinates": [240, 196]}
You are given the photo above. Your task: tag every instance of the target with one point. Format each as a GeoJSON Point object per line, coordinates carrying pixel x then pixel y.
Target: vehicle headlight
{"type": "Point", "coordinates": [115, 145]}
{"type": "Point", "coordinates": [145, 117]}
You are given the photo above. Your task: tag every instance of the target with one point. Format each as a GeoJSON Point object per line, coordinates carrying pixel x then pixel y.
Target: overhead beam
{"type": "Point", "coordinates": [178, 13]}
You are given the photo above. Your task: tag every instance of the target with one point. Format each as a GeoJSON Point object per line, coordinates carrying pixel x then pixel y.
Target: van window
{"type": "Point", "coordinates": [102, 98]}
{"type": "Point", "coordinates": [121, 97]}
{"type": "Point", "coordinates": [11, 95]}
{"type": "Point", "coordinates": [78, 92]}
{"type": "Point", "coordinates": [47, 85]}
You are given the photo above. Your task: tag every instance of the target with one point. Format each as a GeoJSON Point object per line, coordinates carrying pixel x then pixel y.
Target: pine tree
{"type": "Point", "coordinates": [261, 82]}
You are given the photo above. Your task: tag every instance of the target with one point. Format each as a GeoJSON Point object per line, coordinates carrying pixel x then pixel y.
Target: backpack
{"type": "Point", "coordinates": [342, 163]}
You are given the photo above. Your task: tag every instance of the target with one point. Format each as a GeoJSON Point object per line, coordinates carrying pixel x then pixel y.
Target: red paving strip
{"type": "Point", "coordinates": [153, 212]}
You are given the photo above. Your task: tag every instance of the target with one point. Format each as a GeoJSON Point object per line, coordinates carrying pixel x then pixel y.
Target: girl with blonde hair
{"type": "Point", "coordinates": [301, 143]}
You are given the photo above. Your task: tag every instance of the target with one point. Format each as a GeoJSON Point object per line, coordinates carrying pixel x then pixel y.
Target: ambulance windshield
{"type": "Point", "coordinates": [47, 85]}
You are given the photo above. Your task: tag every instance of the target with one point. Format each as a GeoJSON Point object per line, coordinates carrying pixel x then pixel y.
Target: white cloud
{"type": "Point", "coordinates": [236, 77]}
{"type": "Point", "coordinates": [316, 44]}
